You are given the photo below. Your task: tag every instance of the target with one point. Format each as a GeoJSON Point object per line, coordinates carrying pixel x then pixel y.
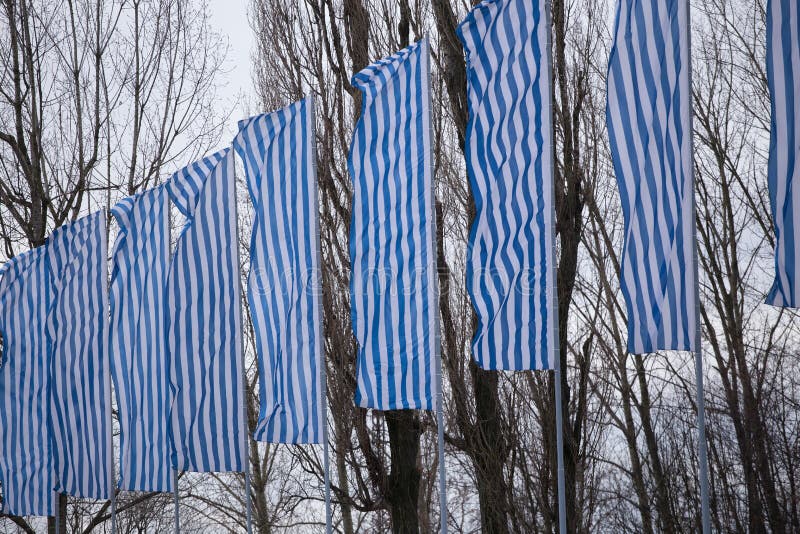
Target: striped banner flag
{"type": "Point", "coordinates": [139, 362]}
{"type": "Point", "coordinates": [393, 293]}
{"type": "Point", "coordinates": [509, 152]}
{"type": "Point", "coordinates": [203, 321]}
{"type": "Point", "coordinates": [26, 465]}
{"type": "Point", "coordinates": [80, 417]}
{"type": "Point", "coordinates": [783, 77]}
{"type": "Point", "coordinates": [283, 287]}
{"type": "Point", "coordinates": [650, 130]}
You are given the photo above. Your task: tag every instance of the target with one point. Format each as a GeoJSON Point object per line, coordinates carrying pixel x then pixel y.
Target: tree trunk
{"type": "Point", "coordinates": [404, 479]}
{"type": "Point", "coordinates": [489, 452]}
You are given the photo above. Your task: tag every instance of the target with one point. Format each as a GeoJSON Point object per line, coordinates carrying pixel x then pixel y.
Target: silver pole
{"type": "Point", "coordinates": [323, 373]}
{"type": "Point", "coordinates": [702, 452]}
{"type": "Point", "coordinates": [701, 436]}
{"type": "Point", "coordinates": [440, 439]}
{"type": "Point", "coordinates": [562, 499]}
{"type": "Point", "coordinates": [328, 514]}
{"type": "Point", "coordinates": [113, 510]}
{"type": "Point", "coordinates": [177, 504]}
{"type": "Point", "coordinates": [111, 474]}
{"type": "Point", "coordinates": [439, 387]}
{"type": "Point", "coordinates": [243, 380]}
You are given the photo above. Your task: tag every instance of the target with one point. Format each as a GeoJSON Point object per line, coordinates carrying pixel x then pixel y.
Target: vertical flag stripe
{"type": "Point", "coordinates": [26, 468]}
{"type": "Point", "coordinates": [203, 321]}
{"type": "Point", "coordinates": [79, 367]}
{"type": "Point", "coordinates": [284, 286]}
{"type": "Point", "coordinates": [649, 123]}
{"type": "Point", "coordinates": [783, 77]}
{"type": "Point", "coordinates": [393, 285]}
{"type": "Point", "coordinates": [510, 260]}
{"type": "Point", "coordinates": [139, 363]}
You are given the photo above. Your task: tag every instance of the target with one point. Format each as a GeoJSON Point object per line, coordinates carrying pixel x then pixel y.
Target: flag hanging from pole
{"type": "Point", "coordinates": [650, 131]}
{"type": "Point", "coordinates": [139, 362]}
{"type": "Point", "coordinates": [509, 152]}
{"type": "Point", "coordinates": [284, 286]}
{"type": "Point", "coordinates": [783, 78]}
{"type": "Point", "coordinates": [393, 293]}
{"type": "Point", "coordinates": [77, 327]}
{"type": "Point", "coordinates": [203, 321]}
{"type": "Point", "coordinates": [26, 465]}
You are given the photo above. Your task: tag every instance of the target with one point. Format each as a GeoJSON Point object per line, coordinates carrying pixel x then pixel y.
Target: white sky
{"type": "Point", "coordinates": [229, 17]}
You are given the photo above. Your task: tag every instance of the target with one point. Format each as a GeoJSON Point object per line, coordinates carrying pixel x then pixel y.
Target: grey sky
{"type": "Point", "coordinates": [229, 17]}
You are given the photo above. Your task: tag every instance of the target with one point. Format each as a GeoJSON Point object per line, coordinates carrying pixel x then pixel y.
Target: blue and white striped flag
{"type": "Point", "coordinates": [80, 416]}
{"type": "Point", "coordinates": [139, 363]}
{"type": "Point", "coordinates": [203, 321]}
{"type": "Point", "coordinates": [26, 466]}
{"type": "Point", "coordinates": [393, 293]}
{"type": "Point", "coordinates": [283, 288]}
{"type": "Point", "coordinates": [649, 123]}
{"type": "Point", "coordinates": [510, 258]}
{"type": "Point", "coordinates": [783, 77]}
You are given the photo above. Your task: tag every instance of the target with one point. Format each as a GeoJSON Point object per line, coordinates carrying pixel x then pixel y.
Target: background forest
{"type": "Point", "coordinates": [101, 99]}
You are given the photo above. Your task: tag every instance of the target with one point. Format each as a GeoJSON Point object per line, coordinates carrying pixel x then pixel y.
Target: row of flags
{"type": "Point", "coordinates": [173, 341]}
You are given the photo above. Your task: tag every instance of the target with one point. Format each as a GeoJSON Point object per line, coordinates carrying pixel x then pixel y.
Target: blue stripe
{"type": "Point", "coordinates": [783, 79]}
{"type": "Point", "coordinates": [139, 366]}
{"type": "Point", "coordinates": [393, 287]}
{"type": "Point", "coordinates": [203, 321]}
{"type": "Point", "coordinates": [26, 465]}
{"type": "Point", "coordinates": [283, 286]}
{"type": "Point", "coordinates": [510, 262]}
{"type": "Point", "coordinates": [649, 123]}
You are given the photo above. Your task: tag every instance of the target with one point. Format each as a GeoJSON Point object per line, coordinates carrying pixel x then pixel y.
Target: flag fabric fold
{"type": "Point", "coordinates": [26, 463]}
{"type": "Point", "coordinates": [393, 287]}
{"type": "Point", "coordinates": [203, 321]}
{"type": "Point", "coordinates": [139, 358]}
{"type": "Point", "coordinates": [284, 282]}
{"type": "Point", "coordinates": [783, 172]}
{"type": "Point", "coordinates": [650, 132]}
{"type": "Point", "coordinates": [77, 327]}
{"type": "Point", "coordinates": [510, 254]}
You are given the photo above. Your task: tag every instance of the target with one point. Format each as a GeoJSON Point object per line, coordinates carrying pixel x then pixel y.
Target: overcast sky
{"type": "Point", "coordinates": [229, 17]}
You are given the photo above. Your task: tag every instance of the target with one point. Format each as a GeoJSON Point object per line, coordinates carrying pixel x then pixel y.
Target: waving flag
{"type": "Point", "coordinates": [203, 321]}
{"type": "Point", "coordinates": [283, 289]}
{"type": "Point", "coordinates": [139, 363]}
{"type": "Point", "coordinates": [510, 258]}
{"type": "Point", "coordinates": [649, 123]}
{"type": "Point", "coordinates": [26, 465]}
{"type": "Point", "coordinates": [393, 286]}
{"type": "Point", "coordinates": [783, 77]}
{"type": "Point", "coordinates": [80, 416]}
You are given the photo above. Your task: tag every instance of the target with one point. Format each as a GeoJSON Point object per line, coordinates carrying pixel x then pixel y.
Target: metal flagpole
{"type": "Point", "coordinates": [439, 387]}
{"type": "Point", "coordinates": [243, 406]}
{"type": "Point", "coordinates": [562, 502]}
{"type": "Point", "coordinates": [111, 474]}
{"type": "Point", "coordinates": [323, 366]}
{"type": "Point", "coordinates": [175, 471]}
{"type": "Point", "coordinates": [562, 499]}
{"type": "Point", "coordinates": [58, 515]}
{"type": "Point", "coordinates": [440, 439]}
{"type": "Point", "coordinates": [177, 509]}
{"type": "Point", "coordinates": [113, 510]}
{"type": "Point", "coordinates": [326, 457]}
{"type": "Point", "coordinates": [702, 451]}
